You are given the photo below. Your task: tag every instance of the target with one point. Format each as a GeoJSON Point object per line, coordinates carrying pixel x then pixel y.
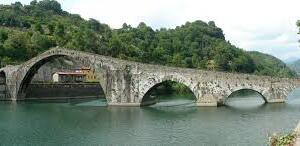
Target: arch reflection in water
{"type": "Point", "coordinates": [245, 98]}
{"type": "Point", "coordinates": [97, 102]}
{"type": "Point", "coordinates": [169, 93]}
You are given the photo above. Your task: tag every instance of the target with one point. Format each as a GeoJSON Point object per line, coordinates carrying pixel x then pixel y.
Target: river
{"type": "Point", "coordinates": [244, 121]}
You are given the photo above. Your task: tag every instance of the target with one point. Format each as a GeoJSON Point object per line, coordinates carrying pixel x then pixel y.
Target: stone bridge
{"type": "Point", "coordinates": [127, 83]}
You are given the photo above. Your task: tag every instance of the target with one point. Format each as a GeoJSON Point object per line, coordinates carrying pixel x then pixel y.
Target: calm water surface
{"type": "Point", "coordinates": [245, 121]}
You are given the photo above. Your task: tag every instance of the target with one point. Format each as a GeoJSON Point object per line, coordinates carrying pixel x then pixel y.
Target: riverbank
{"type": "Point", "coordinates": [290, 139]}
{"type": "Point", "coordinates": [283, 140]}
{"type": "Point", "coordinates": [297, 131]}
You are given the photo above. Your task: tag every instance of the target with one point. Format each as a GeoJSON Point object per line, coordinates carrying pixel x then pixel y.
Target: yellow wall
{"type": "Point", "coordinates": [90, 75]}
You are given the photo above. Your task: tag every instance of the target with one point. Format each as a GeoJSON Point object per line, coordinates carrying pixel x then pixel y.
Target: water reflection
{"type": "Point", "coordinates": [245, 100]}
{"type": "Point", "coordinates": [245, 120]}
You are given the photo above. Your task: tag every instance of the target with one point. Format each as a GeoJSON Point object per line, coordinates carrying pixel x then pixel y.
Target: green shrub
{"type": "Point", "coordinates": [283, 140]}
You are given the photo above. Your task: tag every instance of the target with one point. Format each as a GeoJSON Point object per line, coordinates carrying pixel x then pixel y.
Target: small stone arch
{"type": "Point", "coordinates": [28, 69]}
{"type": "Point", "coordinates": [153, 82]}
{"type": "Point", "coordinates": [3, 86]}
{"type": "Point", "coordinates": [260, 92]}
{"type": "Point", "coordinates": [2, 77]}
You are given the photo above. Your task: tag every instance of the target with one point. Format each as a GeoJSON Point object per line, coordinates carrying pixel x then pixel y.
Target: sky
{"type": "Point", "coordinates": [268, 26]}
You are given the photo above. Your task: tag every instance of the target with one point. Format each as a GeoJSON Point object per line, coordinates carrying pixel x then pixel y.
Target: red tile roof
{"type": "Point", "coordinates": [85, 68]}
{"type": "Point", "coordinates": [70, 73]}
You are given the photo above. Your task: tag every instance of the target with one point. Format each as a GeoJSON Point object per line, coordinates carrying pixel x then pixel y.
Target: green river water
{"type": "Point", "coordinates": [244, 121]}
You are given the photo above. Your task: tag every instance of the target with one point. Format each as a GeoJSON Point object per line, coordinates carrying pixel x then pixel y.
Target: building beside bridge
{"type": "Point", "coordinates": [90, 74]}
{"type": "Point", "coordinates": [83, 74]}
{"type": "Point", "coordinates": [68, 77]}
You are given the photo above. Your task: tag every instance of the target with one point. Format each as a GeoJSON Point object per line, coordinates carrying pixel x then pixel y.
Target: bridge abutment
{"type": "Point", "coordinates": [207, 104]}
{"type": "Point", "coordinates": [207, 100]}
{"type": "Point", "coordinates": [276, 96]}
{"type": "Point", "coordinates": [279, 91]}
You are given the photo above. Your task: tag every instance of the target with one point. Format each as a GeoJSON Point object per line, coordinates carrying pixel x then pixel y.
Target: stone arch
{"type": "Point", "coordinates": [26, 72]}
{"type": "Point", "coordinates": [261, 92]}
{"type": "Point", "coordinates": [3, 86]}
{"type": "Point", "coordinates": [2, 77]}
{"type": "Point", "coordinates": [153, 82]}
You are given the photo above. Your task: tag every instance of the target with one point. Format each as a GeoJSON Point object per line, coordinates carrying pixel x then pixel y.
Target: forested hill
{"type": "Point", "coordinates": [26, 30]}
{"type": "Point", "coordinates": [270, 65]}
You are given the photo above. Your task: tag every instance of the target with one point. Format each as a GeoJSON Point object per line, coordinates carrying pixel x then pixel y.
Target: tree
{"type": "Point", "coordinates": [5, 61]}
{"type": "Point", "coordinates": [3, 36]}
{"type": "Point", "coordinates": [195, 60]}
{"type": "Point", "coordinates": [125, 26]}
{"type": "Point", "coordinates": [211, 23]}
{"type": "Point", "coordinates": [17, 5]}
{"type": "Point", "coordinates": [142, 25]}
{"type": "Point", "coordinates": [94, 24]}
{"type": "Point", "coordinates": [115, 45]}
{"type": "Point", "coordinates": [59, 30]}
{"type": "Point", "coordinates": [16, 46]}
{"type": "Point", "coordinates": [41, 42]}
{"type": "Point", "coordinates": [59, 34]}
{"type": "Point", "coordinates": [51, 28]}
{"type": "Point", "coordinates": [33, 2]}
{"type": "Point", "coordinates": [38, 28]}
{"type": "Point", "coordinates": [50, 5]}
{"type": "Point", "coordinates": [158, 54]}
{"type": "Point", "coordinates": [177, 60]}
{"type": "Point", "coordinates": [243, 64]}
{"type": "Point", "coordinates": [188, 62]}
{"type": "Point", "coordinates": [91, 41]}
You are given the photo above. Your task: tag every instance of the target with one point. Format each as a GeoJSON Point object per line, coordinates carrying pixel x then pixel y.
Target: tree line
{"type": "Point", "coordinates": [27, 30]}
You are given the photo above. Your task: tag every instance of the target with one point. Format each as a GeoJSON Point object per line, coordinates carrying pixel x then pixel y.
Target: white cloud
{"type": "Point", "coordinates": [263, 25]}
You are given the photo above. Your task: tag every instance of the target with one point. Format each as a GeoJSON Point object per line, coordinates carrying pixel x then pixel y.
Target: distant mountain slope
{"type": "Point", "coordinates": [270, 65]}
{"type": "Point", "coordinates": [295, 66]}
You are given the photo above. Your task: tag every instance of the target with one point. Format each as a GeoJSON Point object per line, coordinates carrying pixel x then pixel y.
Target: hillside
{"type": "Point", "coordinates": [26, 30]}
{"type": "Point", "coordinates": [295, 66]}
{"type": "Point", "coordinates": [270, 65]}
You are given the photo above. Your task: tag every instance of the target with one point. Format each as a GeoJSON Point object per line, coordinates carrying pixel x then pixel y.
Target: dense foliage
{"type": "Point", "coordinates": [26, 30]}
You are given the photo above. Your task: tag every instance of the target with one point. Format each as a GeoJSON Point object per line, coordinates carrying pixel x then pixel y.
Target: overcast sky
{"type": "Point", "coordinates": [268, 26]}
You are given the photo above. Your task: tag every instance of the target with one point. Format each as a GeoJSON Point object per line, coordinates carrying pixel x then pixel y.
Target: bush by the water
{"type": "Point", "coordinates": [283, 140]}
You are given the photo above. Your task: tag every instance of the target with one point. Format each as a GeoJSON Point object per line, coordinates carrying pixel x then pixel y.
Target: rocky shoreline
{"type": "Point", "coordinates": [290, 139]}
{"type": "Point", "coordinates": [297, 132]}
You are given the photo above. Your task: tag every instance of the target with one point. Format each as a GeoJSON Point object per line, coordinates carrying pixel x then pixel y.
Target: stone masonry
{"type": "Point", "coordinates": [125, 83]}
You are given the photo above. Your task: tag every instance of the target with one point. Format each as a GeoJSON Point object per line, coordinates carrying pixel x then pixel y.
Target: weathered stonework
{"type": "Point", "coordinates": [127, 82]}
